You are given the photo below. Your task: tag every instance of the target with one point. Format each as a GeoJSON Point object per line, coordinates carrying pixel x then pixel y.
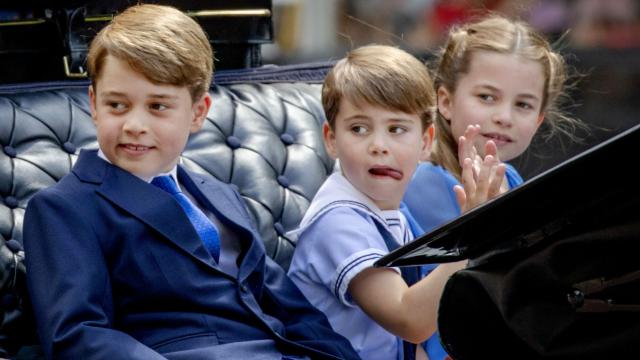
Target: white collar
{"type": "Point", "coordinates": [173, 173]}
{"type": "Point", "coordinates": [338, 191]}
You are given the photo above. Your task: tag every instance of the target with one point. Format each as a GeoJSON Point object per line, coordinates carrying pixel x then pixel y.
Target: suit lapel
{"type": "Point", "coordinates": [221, 200]}
{"type": "Point", "coordinates": [149, 204]}
{"type": "Point", "coordinates": [214, 196]}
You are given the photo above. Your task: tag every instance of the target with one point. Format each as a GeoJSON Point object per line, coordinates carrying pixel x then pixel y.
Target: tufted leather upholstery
{"type": "Point", "coordinates": [262, 135]}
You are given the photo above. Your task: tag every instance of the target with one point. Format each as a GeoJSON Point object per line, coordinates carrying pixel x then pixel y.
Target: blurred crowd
{"type": "Point", "coordinates": [308, 29]}
{"type": "Point", "coordinates": [420, 24]}
{"type": "Point", "coordinates": [601, 38]}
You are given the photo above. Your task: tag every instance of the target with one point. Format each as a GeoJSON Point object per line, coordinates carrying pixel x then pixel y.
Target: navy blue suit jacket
{"type": "Point", "coordinates": [116, 271]}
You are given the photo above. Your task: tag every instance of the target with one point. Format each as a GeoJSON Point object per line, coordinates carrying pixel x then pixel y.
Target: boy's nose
{"type": "Point", "coordinates": [134, 124]}
{"type": "Point", "coordinates": [378, 145]}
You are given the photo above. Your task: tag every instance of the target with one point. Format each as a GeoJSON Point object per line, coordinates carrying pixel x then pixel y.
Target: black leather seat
{"type": "Point", "coordinates": [263, 135]}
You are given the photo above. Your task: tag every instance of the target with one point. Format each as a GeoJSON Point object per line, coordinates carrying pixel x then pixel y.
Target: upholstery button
{"type": "Point", "coordinates": [283, 181]}
{"type": "Point", "coordinates": [69, 147]}
{"type": "Point", "coordinates": [243, 288]}
{"type": "Point", "coordinates": [233, 142]}
{"type": "Point", "coordinates": [10, 151]}
{"type": "Point", "coordinates": [14, 245]}
{"type": "Point", "coordinates": [279, 228]}
{"type": "Point", "coordinates": [287, 139]}
{"type": "Point", "coordinates": [11, 202]}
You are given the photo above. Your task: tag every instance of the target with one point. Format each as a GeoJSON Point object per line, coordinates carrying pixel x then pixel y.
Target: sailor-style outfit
{"type": "Point", "coordinates": [343, 233]}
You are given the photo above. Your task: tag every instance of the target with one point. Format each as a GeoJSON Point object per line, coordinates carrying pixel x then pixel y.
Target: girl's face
{"type": "Point", "coordinates": [503, 94]}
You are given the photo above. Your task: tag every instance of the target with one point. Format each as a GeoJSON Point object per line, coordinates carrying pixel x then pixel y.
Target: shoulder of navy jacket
{"type": "Point", "coordinates": [262, 140]}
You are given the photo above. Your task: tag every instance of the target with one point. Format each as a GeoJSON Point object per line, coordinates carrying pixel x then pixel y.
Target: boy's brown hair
{"type": "Point", "coordinates": [160, 42]}
{"type": "Point", "coordinates": [380, 75]}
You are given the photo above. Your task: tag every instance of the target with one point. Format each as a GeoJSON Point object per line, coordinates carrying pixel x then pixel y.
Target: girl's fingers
{"type": "Point", "coordinates": [487, 184]}
{"type": "Point", "coordinates": [471, 131]}
{"type": "Point", "coordinates": [490, 148]}
{"type": "Point", "coordinates": [481, 178]}
{"type": "Point", "coordinates": [466, 149]}
{"type": "Point", "coordinates": [461, 197]}
{"type": "Point", "coordinates": [465, 194]}
{"type": "Point", "coordinates": [469, 176]}
{"type": "Point", "coordinates": [484, 177]}
{"type": "Point", "coordinates": [496, 181]}
{"type": "Point", "coordinates": [462, 149]}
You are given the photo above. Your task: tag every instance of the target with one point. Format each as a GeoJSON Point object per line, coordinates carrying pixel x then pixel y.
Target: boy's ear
{"type": "Point", "coordinates": [329, 138]}
{"type": "Point", "coordinates": [92, 103]}
{"type": "Point", "coordinates": [200, 111]}
{"type": "Point", "coordinates": [427, 139]}
{"type": "Point", "coordinates": [444, 102]}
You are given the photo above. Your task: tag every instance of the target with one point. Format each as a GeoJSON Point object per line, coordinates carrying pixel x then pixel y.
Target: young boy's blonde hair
{"type": "Point", "coordinates": [383, 76]}
{"type": "Point", "coordinates": [160, 42]}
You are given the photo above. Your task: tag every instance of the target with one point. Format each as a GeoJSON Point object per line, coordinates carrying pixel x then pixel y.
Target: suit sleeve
{"type": "Point", "coordinates": [304, 323]}
{"type": "Point", "coordinates": [69, 284]}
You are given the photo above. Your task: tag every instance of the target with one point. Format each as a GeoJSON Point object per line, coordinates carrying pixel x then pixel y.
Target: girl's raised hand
{"type": "Point", "coordinates": [478, 187]}
{"type": "Point", "coordinates": [466, 149]}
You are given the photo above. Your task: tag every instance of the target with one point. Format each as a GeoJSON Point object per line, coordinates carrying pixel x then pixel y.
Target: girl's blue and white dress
{"type": "Point", "coordinates": [430, 197]}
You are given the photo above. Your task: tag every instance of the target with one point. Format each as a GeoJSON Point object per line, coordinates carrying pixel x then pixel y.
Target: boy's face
{"type": "Point", "coordinates": [378, 149]}
{"type": "Point", "coordinates": [503, 94]}
{"type": "Point", "coordinates": [142, 127]}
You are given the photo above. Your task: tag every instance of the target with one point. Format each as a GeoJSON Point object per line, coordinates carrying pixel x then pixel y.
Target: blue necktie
{"type": "Point", "coordinates": [204, 227]}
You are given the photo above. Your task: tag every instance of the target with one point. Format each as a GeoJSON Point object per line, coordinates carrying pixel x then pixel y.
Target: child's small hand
{"type": "Point", "coordinates": [466, 149]}
{"type": "Point", "coordinates": [478, 187]}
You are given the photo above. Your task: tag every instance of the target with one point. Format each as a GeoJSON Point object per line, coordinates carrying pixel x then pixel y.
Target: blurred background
{"type": "Point", "coordinates": [600, 40]}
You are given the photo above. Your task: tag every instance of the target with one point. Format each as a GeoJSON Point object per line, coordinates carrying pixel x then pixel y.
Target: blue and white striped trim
{"type": "Point", "coordinates": [347, 203]}
{"type": "Point", "coordinates": [402, 224]}
{"type": "Point", "coordinates": [349, 269]}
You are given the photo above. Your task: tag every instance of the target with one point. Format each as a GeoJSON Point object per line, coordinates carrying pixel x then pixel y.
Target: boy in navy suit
{"type": "Point", "coordinates": [118, 267]}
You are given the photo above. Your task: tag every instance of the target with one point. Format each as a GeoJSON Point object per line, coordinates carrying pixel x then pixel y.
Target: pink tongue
{"type": "Point", "coordinates": [386, 172]}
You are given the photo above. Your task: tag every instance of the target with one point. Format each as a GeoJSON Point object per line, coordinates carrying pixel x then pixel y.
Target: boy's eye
{"type": "Point", "coordinates": [159, 107]}
{"type": "Point", "coordinates": [358, 129]}
{"type": "Point", "coordinates": [116, 105]}
{"type": "Point", "coordinates": [397, 130]}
